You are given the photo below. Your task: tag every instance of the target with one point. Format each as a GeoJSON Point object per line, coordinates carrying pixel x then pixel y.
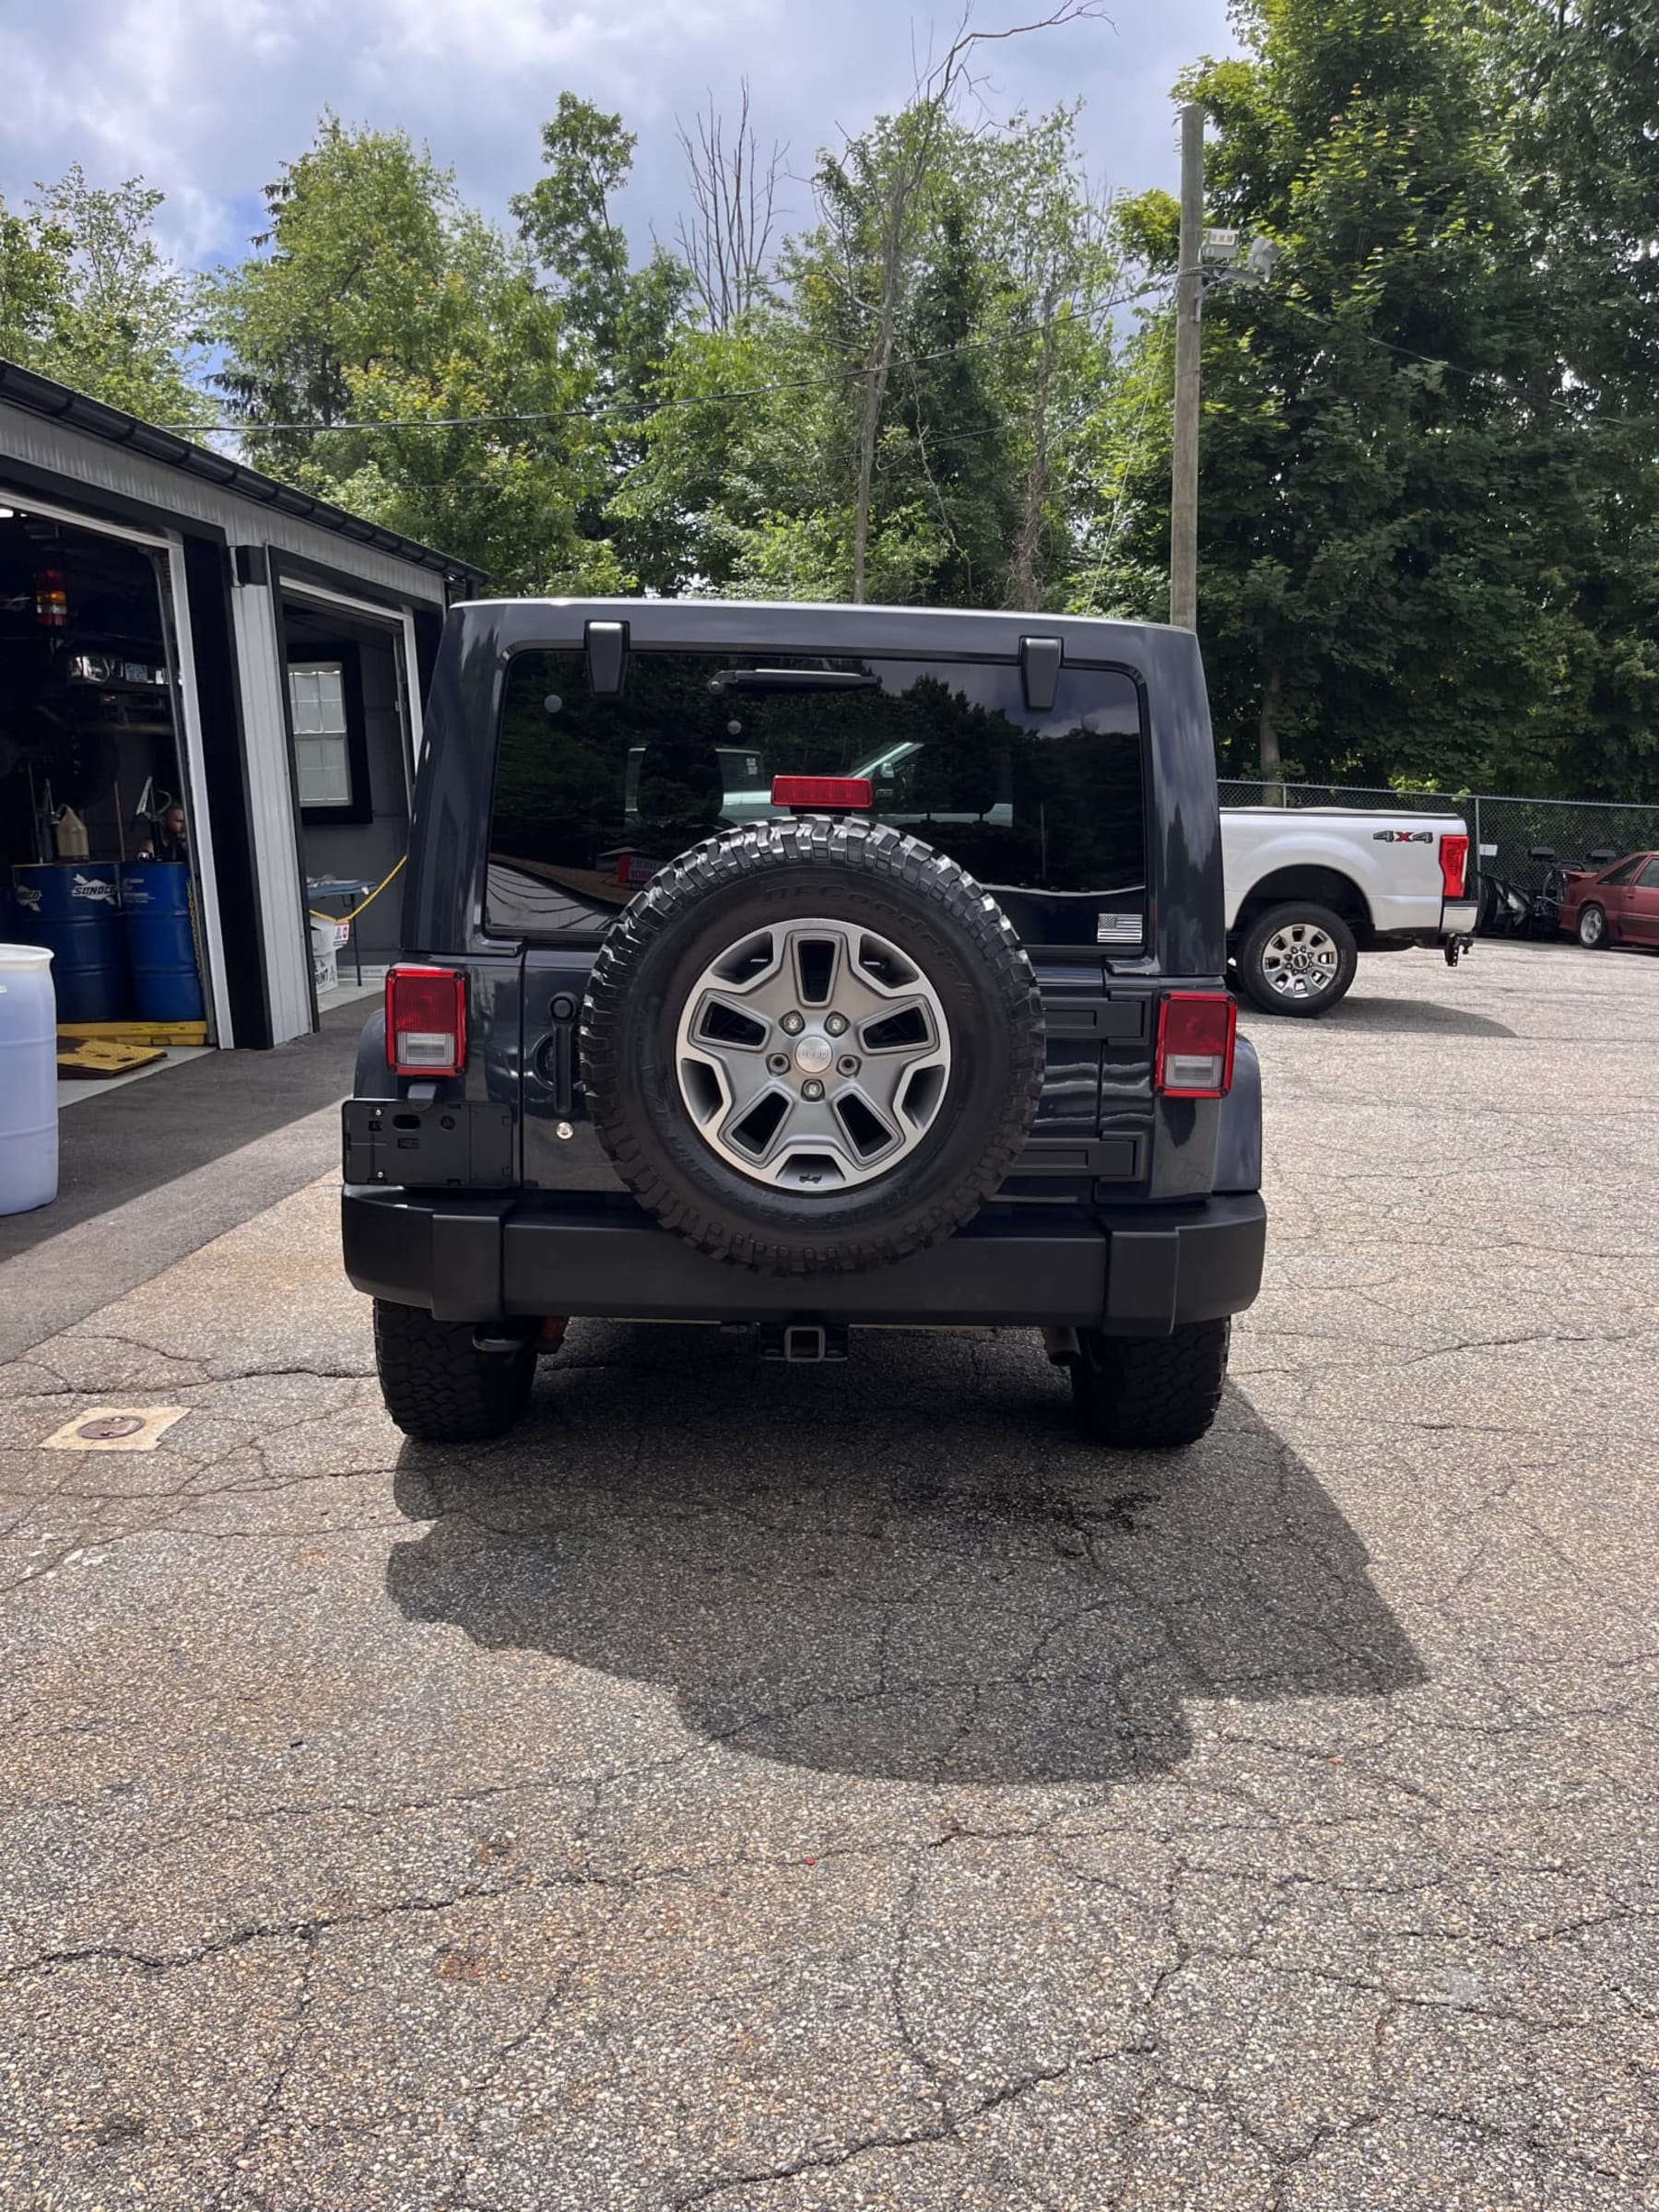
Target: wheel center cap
{"type": "Point", "coordinates": [813, 1054]}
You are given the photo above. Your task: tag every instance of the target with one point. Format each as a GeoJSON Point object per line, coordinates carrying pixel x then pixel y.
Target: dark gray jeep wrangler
{"type": "Point", "coordinates": [808, 968]}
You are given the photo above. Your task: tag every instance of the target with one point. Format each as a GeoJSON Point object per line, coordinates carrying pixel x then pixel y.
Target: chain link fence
{"type": "Point", "coordinates": [1509, 834]}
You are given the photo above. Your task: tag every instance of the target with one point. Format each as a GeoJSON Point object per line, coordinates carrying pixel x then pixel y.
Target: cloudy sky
{"type": "Point", "coordinates": [206, 97]}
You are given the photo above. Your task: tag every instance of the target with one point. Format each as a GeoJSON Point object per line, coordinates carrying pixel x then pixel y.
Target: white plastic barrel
{"type": "Point", "coordinates": [29, 1126]}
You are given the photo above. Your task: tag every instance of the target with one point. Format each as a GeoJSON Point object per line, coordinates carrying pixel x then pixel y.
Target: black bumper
{"type": "Point", "coordinates": [1132, 1270]}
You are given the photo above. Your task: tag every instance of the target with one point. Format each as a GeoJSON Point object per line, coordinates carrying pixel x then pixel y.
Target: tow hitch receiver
{"type": "Point", "coordinates": [808, 1343]}
{"type": "Point", "coordinates": [1455, 948]}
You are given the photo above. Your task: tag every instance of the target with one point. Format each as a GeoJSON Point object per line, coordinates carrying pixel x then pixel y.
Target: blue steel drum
{"type": "Point", "coordinates": [72, 908]}
{"type": "Point", "coordinates": [155, 904]}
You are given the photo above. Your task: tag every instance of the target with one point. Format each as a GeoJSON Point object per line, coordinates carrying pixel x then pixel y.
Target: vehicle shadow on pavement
{"type": "Point", "coordinates": [1411, 1016]}
{"type": "Point", "coordinates": [910, 1567]}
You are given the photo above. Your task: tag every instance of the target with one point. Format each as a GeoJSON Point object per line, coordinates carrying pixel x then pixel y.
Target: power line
{"type": "Point", "coordinates": [639, 417]}
{"type": "Point", "coordinates": [1592, 417]}
{"type": "Point", "coordinates": [475, 480]}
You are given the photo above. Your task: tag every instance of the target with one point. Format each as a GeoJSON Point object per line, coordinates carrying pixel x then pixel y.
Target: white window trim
{"type": "Point", "coordinates": [399, 618]}
{"type": "Point", "coordinates": [315, 663]}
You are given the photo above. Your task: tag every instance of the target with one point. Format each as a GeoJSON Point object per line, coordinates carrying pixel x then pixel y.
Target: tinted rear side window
{"type": "Point", "coordinates": [592, 795]}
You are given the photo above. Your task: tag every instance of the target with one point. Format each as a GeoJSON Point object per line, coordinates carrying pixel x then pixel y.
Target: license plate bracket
{"type": "Point", "coordinates": [427, 1144]}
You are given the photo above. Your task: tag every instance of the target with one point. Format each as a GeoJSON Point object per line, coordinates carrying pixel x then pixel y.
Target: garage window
{"type": "Point", "coordinates": [321, 742]}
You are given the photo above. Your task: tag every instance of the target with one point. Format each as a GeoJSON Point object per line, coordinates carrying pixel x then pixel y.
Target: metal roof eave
{"type": "Point", "coordinates": [112, 426]}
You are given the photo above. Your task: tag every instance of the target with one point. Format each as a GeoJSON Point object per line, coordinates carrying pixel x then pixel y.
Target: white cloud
{"type": "Point", "coordinates": [206, 97]}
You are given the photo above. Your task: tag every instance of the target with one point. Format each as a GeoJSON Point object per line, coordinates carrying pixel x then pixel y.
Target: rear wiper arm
{"type": "Point", "coordinates": [792, 680]}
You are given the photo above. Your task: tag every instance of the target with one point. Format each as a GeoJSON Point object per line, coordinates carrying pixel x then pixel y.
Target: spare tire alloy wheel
{"type": "Point", "coordinates": [812, 1046]}
{"type": "Point", "coordinates": [813, 1054]}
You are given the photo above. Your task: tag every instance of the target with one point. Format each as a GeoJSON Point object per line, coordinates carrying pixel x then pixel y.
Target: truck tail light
{"type": "Point", "coordinates": [52, 602]}
{"type": "Point", "coordinates": [1196, 1035]}
{"type": "Point", "coordinates": [1454, 865]}
{"type": "Point", "coordinates": [827, 794]}
{"type": "Point", "coordinates": [425, 1021]}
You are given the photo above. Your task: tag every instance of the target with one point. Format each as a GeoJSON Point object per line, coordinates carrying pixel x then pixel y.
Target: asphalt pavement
{"type": "Point", "coordinates": [152, 1169]}
{"type": "Point", "coordinates": [787, 1790]}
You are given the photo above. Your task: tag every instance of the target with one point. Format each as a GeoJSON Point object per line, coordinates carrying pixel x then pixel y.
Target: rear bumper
{"type": "Point", "coordinates": [1458, 918]}
{"type": "Point", "coordinates": [1132, 1270]}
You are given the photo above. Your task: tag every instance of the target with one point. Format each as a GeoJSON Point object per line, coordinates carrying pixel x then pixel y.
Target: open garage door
{"type": "Point", "coordinates": [103, 804]}
{"type": "Point", "coordinates": [353, 701]}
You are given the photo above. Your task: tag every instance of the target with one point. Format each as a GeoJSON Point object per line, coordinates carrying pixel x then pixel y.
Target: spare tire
{"type": "Point", "coordinates": [812, 1046]}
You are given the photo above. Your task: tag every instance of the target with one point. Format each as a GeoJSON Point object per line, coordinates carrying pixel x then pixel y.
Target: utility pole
{"type": "Point", "coordinates": [1189, 306]}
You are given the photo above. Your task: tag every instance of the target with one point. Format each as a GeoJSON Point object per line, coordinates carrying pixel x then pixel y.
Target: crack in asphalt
{"type": "Point", "coordinates": [948, 2128]}
{"type": "Point", "coordinates": [1344, 1897]}
{"type": "Point", "coordinates": [310, 1927]}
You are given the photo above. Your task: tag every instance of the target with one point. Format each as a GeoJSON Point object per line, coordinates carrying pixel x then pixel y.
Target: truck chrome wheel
{"type": "Point", "coordinates": [813, 1054]}
{"type": "Point", "coordinates": [1301, 961]}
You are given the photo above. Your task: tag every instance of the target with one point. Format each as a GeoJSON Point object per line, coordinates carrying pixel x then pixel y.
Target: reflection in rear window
{"type": "Point", "coordinates": [592, 795]}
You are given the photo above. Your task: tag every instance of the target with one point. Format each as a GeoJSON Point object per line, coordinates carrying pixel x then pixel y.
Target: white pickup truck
{"type": "Point", "coordinates": [1308, 889]}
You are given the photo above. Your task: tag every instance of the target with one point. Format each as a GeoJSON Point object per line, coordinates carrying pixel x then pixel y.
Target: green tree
{"type": "Point", "coordinates": [950, 476]}
{"type": "Point", "coordinates": [1577, 81]}
{"type": "Point", "coordinates": [1399, 508]}
{"type": "Point", "coordinates": [1059, 274]}
{"type": "Point", "coordinates": [566, 217]}
{"type": "Point", "coordinates": [349, 271]}
{"type": "Point", "coordinates": [622, 319]}
{"type": "Point", "coordinates": [86, 296]}
{"type": "Point", "coordinates": [1121, 566]}
{"type": "Point", "coordinates": [34, 286]}
{"type": "Point", "coordinates": [920, 377]}
{"type": "Point", "coordinates": [388, 348]}
{"type": "Point", "coordinates": [731, 492]}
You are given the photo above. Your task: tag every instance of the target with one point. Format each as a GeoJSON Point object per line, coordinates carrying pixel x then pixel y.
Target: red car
{"type": "Point", "coordinates": [1618, 905]}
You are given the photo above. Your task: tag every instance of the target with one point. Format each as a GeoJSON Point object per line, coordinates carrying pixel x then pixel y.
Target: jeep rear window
{"type": "Point", "coordinates": [593, 794]}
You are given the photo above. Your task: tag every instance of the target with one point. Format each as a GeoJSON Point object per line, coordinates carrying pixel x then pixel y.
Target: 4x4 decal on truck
{"type": "Point", "coordinates": [1402, 837]}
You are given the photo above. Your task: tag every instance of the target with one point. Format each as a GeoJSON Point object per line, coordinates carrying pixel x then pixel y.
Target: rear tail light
{"type": "Point", "coordinates": [425, 1021]}
{"type": "Point", "coordinates": [1454, 865]}
{"type": "Point", "coordinates": [52, 602]}
{"type": "Point", "coordinates": [1196, 1035]}
{"type": "Point", "coordinates": [830, 794]}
